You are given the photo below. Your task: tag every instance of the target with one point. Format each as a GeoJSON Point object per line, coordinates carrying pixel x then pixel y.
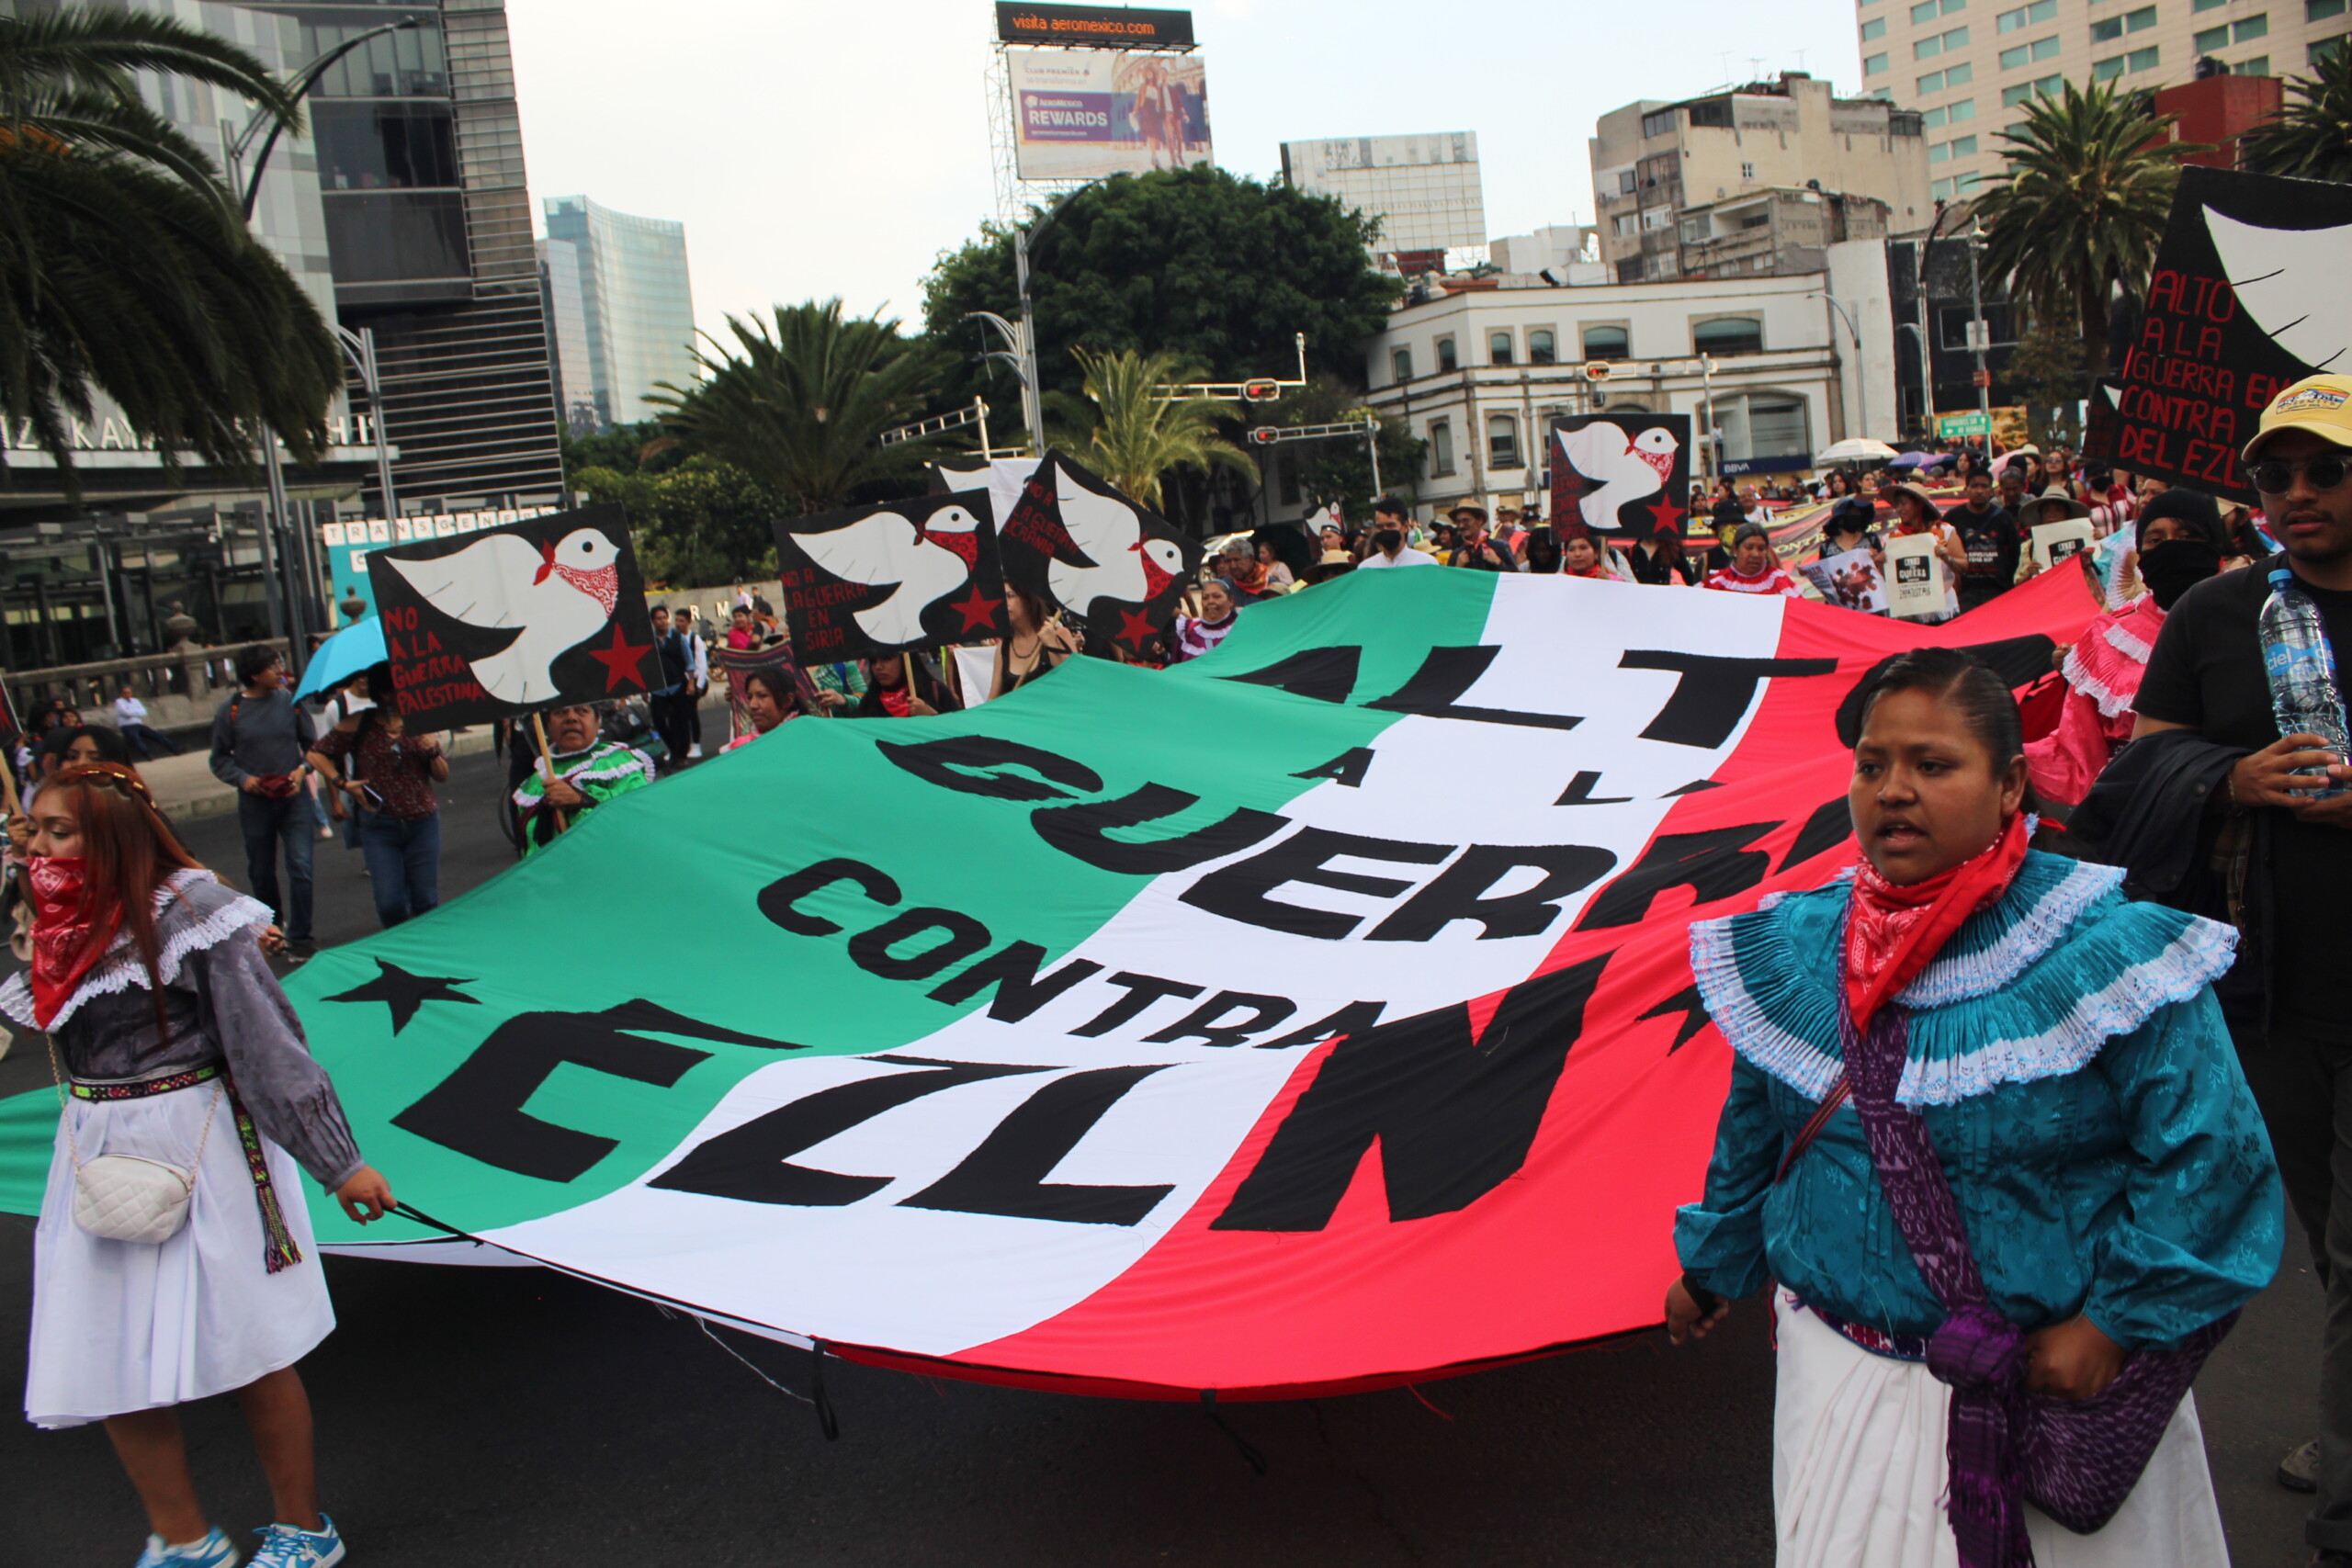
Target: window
{"type": "Point", "coordinates": [2047, 87]}
{"type": "Point", "coordinates": [1964, 109]}
{"type": "Point", "coordinates": [1964, 147]}
{"type": "Point", "coordinates": [1928, 48]}
{"type": "Point", "coordinates": [2210, 39]}
{"type": "Point", "coordinates": [1927, 11]}
{"type": "Point", "coordinates": [1445, 356]}
{"type": "Point", "coordinates": [2259, 66]}
{"type": "Point", "coordinates": [2318, 53]}
{"type": "Point", "coordinates": [1747, 171]}
{"type": "Point", "coordinates": [2142, 60]}
{"type": "Point", "coordinates": [1728, 334]}
{"type": "Point", "coordinates": [1659, 122]}
{"type": "Point", "coordinates": [1933, 119]}
{"type": "Point", "coordinates": [1933, 82]}
{"type": "Point", "coordinates": [1627, 223]}
{"type": "Point", "coordinates": [2027, 16]}
{"type": "Point", "coordinates": [2107, 70]}
{"type": "Point", "coordinates": [2320, 10]}
{"type": "Point", "coordinates": [1873, 65]}
{"type": "Point", "coordinates": [383, 146]}
{"type": "Point", "coordinates": [2201, 7]}
{"type": "Point", "coordinates": [1939, 151]}
{"type": "Point", "coordinates": [2140, 20]}
{"type": "Point", "coordinates": [398, 236]}
{"type": "Point", "coordinates": [1498, 348]}
{"type": "Point", "coordinates": [1441, 448]}
{"type": "Point", "coordinates": [1655, 218]}
{"type": "Point", "coordinates": [1762, 424]}
{"type": "Point", "coordinates": [1625, 182]}
{"type": "Point", "coordinates": [1694, 230]}
{"type": "Point", "coordinates": [1401, 364]}
{"type": "Point", "coordinates": [1608, 343]}
{"type": "Point", "coordinates": [1502, 440]}
{"type": "Point", "coordinates": [1543, 348]}
{"type": "Point", "coordinates": [1628, 269]}
{"type": "Point", "coordinates": [1874, 29]}
{"type": "Point", "coordinates": [1757, 220]}
{"type": "Point", "coordinates": [2026, 53]}
{"type": "Point", "coordinates": [1936, 119]}
{"type": "Point", "coordinates": [2108, 31]}
{"type": "Point", "coordinates": [2246, 29]}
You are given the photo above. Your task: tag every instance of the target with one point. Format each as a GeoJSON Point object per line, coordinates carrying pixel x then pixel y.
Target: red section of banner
{"type": "Point", "coordinates": [1576, 1245]}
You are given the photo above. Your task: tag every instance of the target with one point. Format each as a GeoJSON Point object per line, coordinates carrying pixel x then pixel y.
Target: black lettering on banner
{"type": "Point", "coordinates": [753, 1163]}
{"type": "Point", "coordinates": [1714, 692]}
{"type": "Point", "coordinates": [1237, 892]}
{"type": "Point", "coordinates": [1435, 691]}
{"type": "Point", "coordinates": [1142, 991]}
{"type": "Point", "coordinates": [870, 951]}
{"type": "Point", "coordinates": [1694, 1012]}
{"type": "Point", "coordinates": [1353, 1019]}
{"type": "Point", "coordinates": [1346, 770]}
{"type": "Point", "coordinates": [1006, 1175]}
{"type": "Point", "coordinates": [1579, 792]}
{"type": "Point", "coordinates": [779, 899]}
{"type": "Point", "coordinates": [1693, 787]}
{"type": "Point", "coordinates": [1083, 831]}
{"type": "Point", "coordinates": [1327, 674]}
{"type": "Point", "coordinates": [1012, 970]}
{"type": "Point", "coordinates": [1202, 1021]}
{"type": "Point", "coordinates": [1455, 1115]}
{"type": "Point", "coordinates": [2017, 660]}
{"type": "Point", "coordinates": [1459, 892]}
{"type": "Point", "coordinates": [1713, 865]}
{"type": "Point", "coordinates": [1831, 824]}
{"type": "Point", "coordinates": [944, 763]}
{"type": "Point", "coordinates": [478, 1109]}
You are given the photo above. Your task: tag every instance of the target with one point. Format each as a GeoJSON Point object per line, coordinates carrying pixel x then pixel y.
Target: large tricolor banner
{"type": "Point", "coordinates": [1314, 1016]}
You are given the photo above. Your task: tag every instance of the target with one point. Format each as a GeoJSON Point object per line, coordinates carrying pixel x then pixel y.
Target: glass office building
{"type": "Point", "coordinates": [628, 276]}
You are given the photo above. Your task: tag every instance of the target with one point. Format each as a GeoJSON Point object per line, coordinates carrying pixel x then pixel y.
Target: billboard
{"type": "Point", "coordinates": [1093, 27]}
{"type": "Point", "coordinates": [1080, 114]}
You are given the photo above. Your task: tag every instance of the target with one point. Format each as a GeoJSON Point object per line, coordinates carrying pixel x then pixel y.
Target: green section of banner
{"type": "Point", "coordinates": [27, 1130]}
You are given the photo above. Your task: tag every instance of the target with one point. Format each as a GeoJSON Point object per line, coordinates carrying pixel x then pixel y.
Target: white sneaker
{"type": "Point", "coordinates": [283, 1546]}
{"type": "Point", "coordinates": [213, 1551]}
{"type": "Point", "coordinates": [694, 752]}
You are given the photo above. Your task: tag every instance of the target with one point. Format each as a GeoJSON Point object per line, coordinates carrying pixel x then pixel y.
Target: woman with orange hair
{"type": "Point", "coordinates": [173, 1259]}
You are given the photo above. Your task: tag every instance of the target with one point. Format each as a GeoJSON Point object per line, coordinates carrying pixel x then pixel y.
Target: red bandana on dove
{"type": "Point", "coordinates": [603, 585]}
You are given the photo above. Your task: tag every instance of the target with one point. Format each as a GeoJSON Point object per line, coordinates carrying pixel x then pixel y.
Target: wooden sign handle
{"type": "Point", "coordinates": [547, 767]}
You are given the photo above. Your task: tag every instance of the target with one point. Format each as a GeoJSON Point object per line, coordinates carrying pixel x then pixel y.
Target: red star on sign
{"type": "Point", "coordinates": [978, 610]}
{"type": "Point", "coordinates": [1664, 513]}
{"type": "Point", "coordinates": [1135, 630]}
{"type": "Point", "coordinates": [622, 661]}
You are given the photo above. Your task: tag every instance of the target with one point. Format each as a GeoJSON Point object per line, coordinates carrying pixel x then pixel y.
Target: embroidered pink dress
{"type": "Point", "coordinates": [2102, 673]}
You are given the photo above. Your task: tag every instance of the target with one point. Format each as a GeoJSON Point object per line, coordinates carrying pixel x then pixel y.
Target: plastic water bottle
{"type": "Point", "coordinates": [2304, 694]}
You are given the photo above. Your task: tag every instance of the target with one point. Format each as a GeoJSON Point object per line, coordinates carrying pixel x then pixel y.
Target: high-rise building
{"type": "Point", "coordinates": [428, 227]}
{"type": "Point", "coordinates": [637, 308]}
{"type": "Point", "coordinates": [1672, 181]}
{"type": "Point", "coordinates": [567, 309]}
{"type": "Point", "coordinates": [1968, 70]}
{"type": "Point", "coordinates": [1424, 189]}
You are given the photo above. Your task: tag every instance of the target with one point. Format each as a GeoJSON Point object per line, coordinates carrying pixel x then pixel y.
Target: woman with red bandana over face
{"type": "Point", "coordinates": [1987, 1146]}
{"type": "Point", "coordinates": [178, 1048]}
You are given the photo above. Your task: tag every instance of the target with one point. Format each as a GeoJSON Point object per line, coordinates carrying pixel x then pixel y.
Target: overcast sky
{"type": "Point", "coordinates": [814, 150]}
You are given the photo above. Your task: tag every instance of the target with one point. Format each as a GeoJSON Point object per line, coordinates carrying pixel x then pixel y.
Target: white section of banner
{"type": "Point", "coordinates": [885, 1272]}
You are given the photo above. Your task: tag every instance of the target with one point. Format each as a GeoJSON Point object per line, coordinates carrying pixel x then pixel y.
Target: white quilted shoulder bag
{"type": "Point", "coordinates": [126, 1197]}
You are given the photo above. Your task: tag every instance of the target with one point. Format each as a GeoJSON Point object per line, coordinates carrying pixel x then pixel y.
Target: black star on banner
{"type": "Point", "coordinates": [1684, 1002]}
{"type": "Point", "coordinates": [404, 992]}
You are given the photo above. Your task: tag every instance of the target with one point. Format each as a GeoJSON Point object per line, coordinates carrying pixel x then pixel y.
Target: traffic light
{"type": "Point", "coordinates": [1264, 390]}
{"type": "Point", "coordinates": [1263, 435]}
{"type": "Point", "coordinates": [1597, 371]}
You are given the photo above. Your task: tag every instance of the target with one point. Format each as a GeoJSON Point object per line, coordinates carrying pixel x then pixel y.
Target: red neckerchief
{"type": "Point", "coordinates": [1595, 569]}
{"type": "Point", "coordinates": [894, 702]}
{"type": "Point", "coordinates": [64, 946]}
{"type": "Point", "coordinates": [1893, 933]}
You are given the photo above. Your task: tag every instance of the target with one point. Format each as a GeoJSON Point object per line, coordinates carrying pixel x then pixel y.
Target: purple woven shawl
{"type": "Point", "coordinates": [2078, 1459]}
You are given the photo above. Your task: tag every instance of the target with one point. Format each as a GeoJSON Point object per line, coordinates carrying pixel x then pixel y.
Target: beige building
{"type": "Point", "coordinates": [1966, 65]}
{"type": "Point", "coordinates": [1655, 163]}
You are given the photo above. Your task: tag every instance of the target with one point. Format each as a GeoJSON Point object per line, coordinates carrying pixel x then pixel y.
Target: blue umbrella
{"type": "Point", "coordinates": [342, 656]}
{"type": "Point", "coordinates": [1911, 459]}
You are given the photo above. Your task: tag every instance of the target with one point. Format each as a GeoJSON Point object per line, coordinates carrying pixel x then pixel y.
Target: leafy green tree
{"type": "Point", "coordinates": [1339, 469]}
{"type": "Point", "coordinates": [2081, 208]}
{"type": "Point", "coordinates": [1134, 435]}
{"type": "Point", "coordinates": [2311, 138]}
{"type": "Point", "coordinates": [801, 404]}
{"type": "Point", "coordinates": [1207, 265]}
{"type": "Point", "coordinates": [2047, 367]}
{"type": "Point", "coordinates": [125, 266]}
{"type": "Point", "coordinates": [700, 522]}
{"type": "Point", "coordinates": [641, 448]}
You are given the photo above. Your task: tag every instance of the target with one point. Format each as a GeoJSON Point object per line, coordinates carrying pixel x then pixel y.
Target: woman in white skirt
{"type": "Point", "coordinates": [174, 1044]}
{"type": "Point", "coordinates": [1989, 1149]}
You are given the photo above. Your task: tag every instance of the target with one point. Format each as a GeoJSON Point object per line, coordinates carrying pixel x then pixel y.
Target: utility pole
{"type": "Point", "coordinates": [1980, 337]}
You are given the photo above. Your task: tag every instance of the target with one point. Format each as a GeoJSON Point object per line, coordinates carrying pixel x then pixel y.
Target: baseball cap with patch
{"type": "Point", "coordinates": [2321, 404]}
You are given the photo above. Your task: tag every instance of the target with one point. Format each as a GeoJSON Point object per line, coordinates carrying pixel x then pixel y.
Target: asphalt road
{"type": "Point", "coordinates": [510, 1415]}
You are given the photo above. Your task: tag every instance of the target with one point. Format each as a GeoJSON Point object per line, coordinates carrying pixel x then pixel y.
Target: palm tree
{"type": "Point", "coordinates": [2311, 138]}
{"type": "Point", "coordinates": [801, 407]}
{"type": "Point", "coordinates": [125, 267]}
{"type": "Point", "coordinates": [2082, 207]}
{"type": "Point", "coordinates": [1139, 432]}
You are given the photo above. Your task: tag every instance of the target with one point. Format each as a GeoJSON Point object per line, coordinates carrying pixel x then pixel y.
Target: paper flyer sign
{"type": "Point", "coordinates": [1915, 577]}
{"type": "Point", "coordinates": [2055, 542]}
{"type": "Point", "coordinates": [1850, 579]}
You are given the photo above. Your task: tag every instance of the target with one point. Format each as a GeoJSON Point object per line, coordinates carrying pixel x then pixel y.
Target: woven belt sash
{"type": "Point", "coordinates": [278, 1246]}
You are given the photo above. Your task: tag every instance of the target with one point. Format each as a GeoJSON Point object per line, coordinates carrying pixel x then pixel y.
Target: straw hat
{"type": "Point", "coordinates": [1336, 558]}
{"type": "Point", "coordinates": [1911, 489]}
{"type": "Point", "coordinates": [2053, 505]}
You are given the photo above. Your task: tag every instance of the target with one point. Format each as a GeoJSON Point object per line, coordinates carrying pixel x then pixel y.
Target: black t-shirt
{"type": "Point", "coordinates": [1490, 554]}
{"type": "Point", "coordinates": [1993, 542]}
{"type": "Point", "coordinates": [2205, 673]}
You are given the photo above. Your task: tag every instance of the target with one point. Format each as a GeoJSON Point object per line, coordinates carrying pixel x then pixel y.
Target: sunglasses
{"type": "Point", "coordinates": [2272, 476]}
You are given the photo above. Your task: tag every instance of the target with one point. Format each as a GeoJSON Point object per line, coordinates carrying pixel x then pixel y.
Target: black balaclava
{"type": "Point", "coordinates": [2176, 566]}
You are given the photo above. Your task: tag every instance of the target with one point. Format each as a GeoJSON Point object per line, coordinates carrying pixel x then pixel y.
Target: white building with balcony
{"type": "Point", "coordinates": [1480, 373]}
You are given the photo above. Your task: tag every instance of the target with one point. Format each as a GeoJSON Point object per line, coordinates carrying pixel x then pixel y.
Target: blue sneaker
{"type": "Point", "coordinates": [283, 1546]}
{"type": "Point", "coordinates": [213, 1551]}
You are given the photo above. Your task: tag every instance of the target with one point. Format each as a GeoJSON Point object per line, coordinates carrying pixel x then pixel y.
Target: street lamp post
{"type": "Point", "coordinates": [1979, 337]}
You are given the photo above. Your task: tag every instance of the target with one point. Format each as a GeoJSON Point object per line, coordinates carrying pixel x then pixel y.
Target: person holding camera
{"type": "Point", "coordinates": [388, 775]}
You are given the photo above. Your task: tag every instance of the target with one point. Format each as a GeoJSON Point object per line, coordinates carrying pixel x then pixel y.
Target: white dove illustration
{"type": "Point", "coordinates": [2291, 282]}
{"type": "Point", "coordinates": [921, 562]}
{"type": "Point", "coordinates": [1128, 564]}
{"type": "Point", "coordinates": [560, 593]}
{"type": "Point", "coordinates": [1625, 467]}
